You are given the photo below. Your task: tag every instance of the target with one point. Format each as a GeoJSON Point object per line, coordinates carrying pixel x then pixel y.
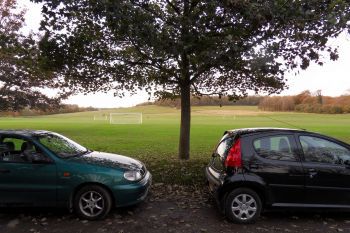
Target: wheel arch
{"type": "Point", "coordinates": [256, 187]}
{"type": "Point", "coordinates": [80, 186]}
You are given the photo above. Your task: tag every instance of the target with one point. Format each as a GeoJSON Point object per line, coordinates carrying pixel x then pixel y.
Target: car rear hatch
{"type": "Point", "coordinates": [217, 169]}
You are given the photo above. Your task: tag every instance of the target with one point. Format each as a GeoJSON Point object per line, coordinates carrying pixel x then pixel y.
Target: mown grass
{"type": "Point", "coordinates": [156, 141]}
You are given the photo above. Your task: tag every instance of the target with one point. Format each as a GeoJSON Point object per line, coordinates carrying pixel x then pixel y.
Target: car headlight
{"type": "Point", "coordinates": [132, 175]}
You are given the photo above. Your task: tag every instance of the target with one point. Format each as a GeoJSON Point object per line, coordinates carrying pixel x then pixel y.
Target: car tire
{"type": "Point", "coordinates": [92, 202]}
{"type": "Point", "coordinates": [243, 206]}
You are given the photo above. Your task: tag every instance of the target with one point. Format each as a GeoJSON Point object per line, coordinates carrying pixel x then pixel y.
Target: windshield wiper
{"type": "Point", "coordinates": [83, 153]}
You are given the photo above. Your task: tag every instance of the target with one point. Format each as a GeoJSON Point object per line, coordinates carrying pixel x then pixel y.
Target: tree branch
{"type": "Point", "coordinates": [193, 4]}
{"type": "Point", "coordinates": [177, 10]}
{"type": "Point", "coordinates": [199, 93]}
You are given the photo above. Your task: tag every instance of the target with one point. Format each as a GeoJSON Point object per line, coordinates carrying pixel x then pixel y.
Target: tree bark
{"type": "Point", "coordinates": [185, 86]}
{"type": "Point", "coordinates": [184, 142]}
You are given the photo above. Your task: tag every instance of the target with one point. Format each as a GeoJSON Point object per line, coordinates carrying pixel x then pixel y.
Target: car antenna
{"type": "Point", "coordinates": [284, 122]}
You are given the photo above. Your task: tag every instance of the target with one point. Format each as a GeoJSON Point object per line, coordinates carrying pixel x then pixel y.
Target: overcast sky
{"type": "Point", "coordinates": [332, 78]}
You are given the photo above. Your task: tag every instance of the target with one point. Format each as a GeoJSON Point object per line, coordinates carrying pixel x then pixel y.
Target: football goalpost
{"type": "Point", "coordinates": [125, 118]}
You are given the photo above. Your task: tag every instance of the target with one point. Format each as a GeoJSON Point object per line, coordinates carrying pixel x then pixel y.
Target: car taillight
{"type": "Point", "coordinates": [234, 157]}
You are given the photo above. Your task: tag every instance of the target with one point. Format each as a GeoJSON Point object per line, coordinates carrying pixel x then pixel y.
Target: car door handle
{"type": "Point", "coordinates": [312, 173]}
{"type": "Point", "coordinates": [4, 171]}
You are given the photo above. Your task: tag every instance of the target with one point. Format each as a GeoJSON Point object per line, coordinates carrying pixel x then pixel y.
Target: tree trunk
{"type": "Point", "coordinates": [184, 142]}
{"type": "Point", "coordinates": [185, 85]}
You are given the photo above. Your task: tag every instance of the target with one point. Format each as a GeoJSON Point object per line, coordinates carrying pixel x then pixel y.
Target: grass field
{"type": "Point", "coordinates": [156, 141]}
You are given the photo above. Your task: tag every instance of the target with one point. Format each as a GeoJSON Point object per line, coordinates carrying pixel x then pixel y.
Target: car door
{"type": "Point", "coordinates": [327, 170]}
{"type": "Point", "coordinates": [276, 161]}
{"type": "Point", "coordinates": [26, 183]}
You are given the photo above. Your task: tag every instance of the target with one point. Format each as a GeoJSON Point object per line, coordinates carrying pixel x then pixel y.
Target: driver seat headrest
{"type": "Point", "coordinates": [27, 146]}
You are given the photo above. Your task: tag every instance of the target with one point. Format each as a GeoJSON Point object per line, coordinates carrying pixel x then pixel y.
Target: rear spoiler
{"type": "Point", "coordinates": [230, 132]}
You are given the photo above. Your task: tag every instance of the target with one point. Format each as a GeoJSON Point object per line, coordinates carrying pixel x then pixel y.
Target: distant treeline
{"type": "Point", "coordinates": [208, 101]}
{"type": "Point", "coordinates": [303, 102]}
{"type": "Point", "coordinates": [65, 108]}
{"type": "Point", "coordinates": [307, 102]}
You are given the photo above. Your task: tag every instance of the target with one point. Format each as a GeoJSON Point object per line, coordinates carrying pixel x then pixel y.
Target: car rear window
{"type": "Point", "coordinates": [222, 149]}
{"type": "Point", "coordinates": [276, 147]}
{"type": "Point", "coordinates": [224, 146]}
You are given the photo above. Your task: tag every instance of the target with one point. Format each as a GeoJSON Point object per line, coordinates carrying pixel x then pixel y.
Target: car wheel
{"type": "Point", "coordinates": [92, 202]}
{"type": "Point", "coordinates": [243, 206]}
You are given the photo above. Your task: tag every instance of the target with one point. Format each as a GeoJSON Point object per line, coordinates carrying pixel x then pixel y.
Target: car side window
{"type": "Point", "coordinates": [10, 150]}
{"type": "Point", "coordinates": [17, 150]}
{"type": "Point", "coordinates": [14, 143]}
{"type": "Point", "coordinates": [323, 151]}
{"type": "Point", "coordinates": [276, 147]}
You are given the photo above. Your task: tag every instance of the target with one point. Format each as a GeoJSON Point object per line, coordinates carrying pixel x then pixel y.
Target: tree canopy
{"type": "Point", "coordinates": [187, 47]}
{"type": "Point", "coordinates": [20, 73]}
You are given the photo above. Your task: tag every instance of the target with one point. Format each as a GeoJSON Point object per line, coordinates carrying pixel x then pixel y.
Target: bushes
{"type": "Point", "coordinates": [209, 101]}
{"type": "Point", "coordinates": [306, 102]}
{"type": "Point", "coordinates": [65, 108]}
{"type": "Point", "coordinates": [277, 103]}
{"type": "Point", "coordinates": [303, 102]}
{"type": "Point", "coordinates": [335, 110]}
{"type": "Point", "coordinates": [347, 108]}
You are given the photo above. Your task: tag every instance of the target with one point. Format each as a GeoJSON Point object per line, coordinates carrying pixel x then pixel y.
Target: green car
{"type": "Point", "coordinates": [41, 168]}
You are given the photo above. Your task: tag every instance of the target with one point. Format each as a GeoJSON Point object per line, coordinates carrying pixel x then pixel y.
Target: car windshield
{"type": "Point", "coordinates": [61, 146]}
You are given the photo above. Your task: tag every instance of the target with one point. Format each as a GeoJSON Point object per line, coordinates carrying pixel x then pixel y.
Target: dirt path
{"type": "Point", "coordinates": [169, 209]}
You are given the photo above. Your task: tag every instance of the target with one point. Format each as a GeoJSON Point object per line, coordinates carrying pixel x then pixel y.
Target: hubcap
{"type": "Point", "coordinates": [244, 207]}
{"type": "Point", "coordinates": [91, 203]}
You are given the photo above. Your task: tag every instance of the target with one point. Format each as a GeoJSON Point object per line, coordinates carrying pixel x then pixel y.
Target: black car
{"type": "Point", "coordinates": [260, 168]}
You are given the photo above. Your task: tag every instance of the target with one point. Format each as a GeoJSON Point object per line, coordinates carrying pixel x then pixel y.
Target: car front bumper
{"type": "Point", "coordinates": [133, 193]}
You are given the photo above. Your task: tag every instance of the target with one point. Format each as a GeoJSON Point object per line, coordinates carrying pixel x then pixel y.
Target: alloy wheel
{"type": "Point", "coordinates": [244, 207]}
{"type": "Point", "coordinates": [91, 203]}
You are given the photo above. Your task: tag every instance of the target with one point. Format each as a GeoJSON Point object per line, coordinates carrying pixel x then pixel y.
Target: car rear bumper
{"type": "Point", "coordinates": [214, 182]}
{"type": "Point", "coordinates": [134, 193]}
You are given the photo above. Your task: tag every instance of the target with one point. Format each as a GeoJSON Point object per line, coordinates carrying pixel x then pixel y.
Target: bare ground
{"type": "Point", "coordinates": [170, 209]}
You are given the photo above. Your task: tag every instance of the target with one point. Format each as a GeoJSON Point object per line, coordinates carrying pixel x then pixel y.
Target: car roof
{"type": "Point", "coordinates": [23, 132]}
{"type": "Point", "coordinates": [247, 131]}
{"type": "Point", "coordinates": [243, 131]}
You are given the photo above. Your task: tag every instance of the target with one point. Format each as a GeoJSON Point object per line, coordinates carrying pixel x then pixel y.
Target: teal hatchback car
{"type": "Point", "coordinates": [42, 168]}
